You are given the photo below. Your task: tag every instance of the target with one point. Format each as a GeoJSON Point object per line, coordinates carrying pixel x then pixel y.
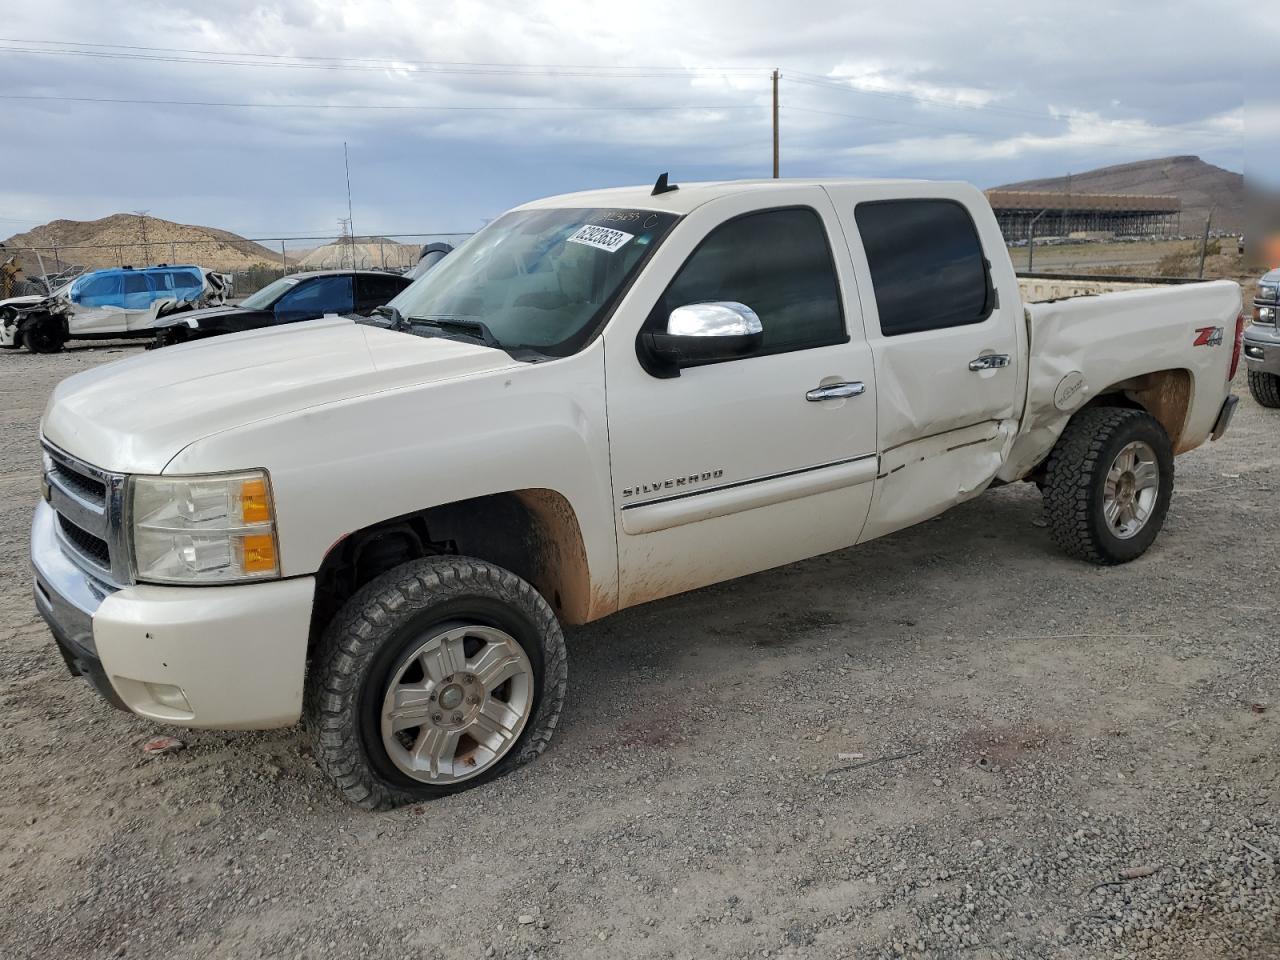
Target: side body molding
{"type": "Point", "coordinates": [666, 512]}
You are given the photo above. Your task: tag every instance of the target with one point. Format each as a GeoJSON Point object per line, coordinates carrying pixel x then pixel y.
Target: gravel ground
{"type": "Point", "coordinates": [1060, 761]}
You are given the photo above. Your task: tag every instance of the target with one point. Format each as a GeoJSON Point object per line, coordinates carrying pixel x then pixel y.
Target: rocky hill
{"type": "Point", "coordinates": [1200, 185]}
{"type": "Point", "coordinates": [362, 252]}
{"type": "Point", "coordinates": [126, 238]}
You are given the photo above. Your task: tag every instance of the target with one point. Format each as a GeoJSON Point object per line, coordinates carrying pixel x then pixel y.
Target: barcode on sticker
{"type": "Point", "coordinates": [602, 238]}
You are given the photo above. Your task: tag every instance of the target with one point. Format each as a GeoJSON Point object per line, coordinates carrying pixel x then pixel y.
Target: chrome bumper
{"type": "Point", "coordinates": [67, 598]}
{"type": "Point", "coordinates": [1262, 347]}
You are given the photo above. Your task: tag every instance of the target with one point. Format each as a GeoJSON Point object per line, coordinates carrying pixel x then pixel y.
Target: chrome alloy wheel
{"type": "Point", "coordinates": [1131, 490]}
{"type": "Point", "coordinates": [458, 704]}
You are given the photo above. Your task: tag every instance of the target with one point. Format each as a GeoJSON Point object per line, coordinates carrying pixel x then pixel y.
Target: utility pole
{"type": "Point", "coordinates": [351, 221]}
{"type": "Point", "coordinates": [1031, 241]}
{"type": "Point", "coordinates": [1204, 241]}
{"type": "Point", "coordinates": [142, 235]}
{"type": "Point", "coordinates": [775, 125]}
{"type": "Point", "coordinates": [1063, 231]}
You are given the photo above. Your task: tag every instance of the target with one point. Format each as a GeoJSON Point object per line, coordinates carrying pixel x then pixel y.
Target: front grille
{"type": "Point", "coordinates": [89, 503]}
{"type": "Point", "coordinates": [94, 548]}
{"type": "Point", "coordinates": [92, 490]}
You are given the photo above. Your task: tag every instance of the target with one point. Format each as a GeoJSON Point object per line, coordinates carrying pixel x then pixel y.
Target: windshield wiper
{"type": "Point", "coordinates": [474, 329]}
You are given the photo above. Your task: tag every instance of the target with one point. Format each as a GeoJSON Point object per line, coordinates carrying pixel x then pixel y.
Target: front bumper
{"type": "Point", "coordinates": [228, 657]}
{"type": "Point", "coordinates": [1262, 348]}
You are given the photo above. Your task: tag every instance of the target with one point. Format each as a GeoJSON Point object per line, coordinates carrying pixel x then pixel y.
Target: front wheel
{"type": "Point", "coordinates": [44, 335]}
{"type": "Point", "coordinates": [1108, 483]}
{"type": "Point", "coordinates": [435, 677]}
{"type": "Point", "coordinates": [1265, 388]}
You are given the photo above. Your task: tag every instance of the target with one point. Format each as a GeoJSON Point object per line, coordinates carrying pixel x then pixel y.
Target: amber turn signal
{"type": "Point", "coordinates": [255, 505]}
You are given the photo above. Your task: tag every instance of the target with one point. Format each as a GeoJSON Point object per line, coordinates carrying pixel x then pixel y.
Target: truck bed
{"type": "Point", "coordinates": [1042, 288]}
{"type": "Point", "coordinates": [1099, 343]}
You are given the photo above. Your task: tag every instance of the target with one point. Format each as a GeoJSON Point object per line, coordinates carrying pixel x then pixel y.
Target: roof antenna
{"type": "Point", "coordinates": [662, 186]}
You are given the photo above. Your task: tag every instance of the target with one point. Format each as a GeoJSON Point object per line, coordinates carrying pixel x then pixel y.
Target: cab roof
{"type": "Point", "coordinates": [690, 196]}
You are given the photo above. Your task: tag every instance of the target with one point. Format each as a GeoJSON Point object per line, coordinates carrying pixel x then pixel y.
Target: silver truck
{"type": "Point", "coordinates": [1262, 343]}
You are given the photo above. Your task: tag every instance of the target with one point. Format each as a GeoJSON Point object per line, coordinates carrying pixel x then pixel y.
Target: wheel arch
{"type": "Point", "coordinates": [1165, 394]}
{"type": "Point", "coordinates": [534, 533]}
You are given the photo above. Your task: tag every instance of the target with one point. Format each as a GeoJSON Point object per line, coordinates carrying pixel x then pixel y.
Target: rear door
{"type": "Point", "coordinates": [744, 464]}
{"type": "Point", "coordinates": [948, 354]}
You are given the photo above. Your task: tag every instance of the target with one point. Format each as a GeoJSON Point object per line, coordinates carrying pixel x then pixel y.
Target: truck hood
{"type": "Point", "coordinates": [135, 415]}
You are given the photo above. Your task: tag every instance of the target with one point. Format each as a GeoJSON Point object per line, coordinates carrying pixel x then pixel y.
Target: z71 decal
{"type": "Point", "coordinates": [1208, 337]}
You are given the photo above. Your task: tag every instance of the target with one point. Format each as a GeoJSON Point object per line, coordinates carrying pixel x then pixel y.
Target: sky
{"type": "Point", "coordinates": [454, 111]}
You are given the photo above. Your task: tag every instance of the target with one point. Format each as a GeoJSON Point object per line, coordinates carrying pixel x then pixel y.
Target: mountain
{"type": "Point", "coordinates": [1200, 185]}
{"type": "Point", "coordinates": [361, 252]}
{"type": "Point", "coordinates": [119, 240]}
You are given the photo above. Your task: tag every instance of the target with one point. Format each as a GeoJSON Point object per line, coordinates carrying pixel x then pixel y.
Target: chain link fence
{"type": "Point", "coordinates": [252, 263]}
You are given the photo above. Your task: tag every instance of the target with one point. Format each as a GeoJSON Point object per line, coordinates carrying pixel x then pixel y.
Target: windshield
{"type": "Point", "coordinates": [539, 279]}
{"type": "Point", "coordinates": [268, 294]}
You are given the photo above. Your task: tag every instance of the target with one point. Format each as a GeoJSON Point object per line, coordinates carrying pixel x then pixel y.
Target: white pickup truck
{"type": "Point", "coordinates": [599, 400]}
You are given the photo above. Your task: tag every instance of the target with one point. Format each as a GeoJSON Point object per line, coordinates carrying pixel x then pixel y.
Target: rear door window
{"type": "Point", "coordinates": [137, 292]}
{"type": "Point", "coordinates": [373, 290]}
{"type": "Point", "coordinates": [927, 265]}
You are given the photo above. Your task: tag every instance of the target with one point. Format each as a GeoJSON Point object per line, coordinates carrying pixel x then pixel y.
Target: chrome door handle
{"type": "Point", "coordinates": [836, 391]}
{"type": "Point", "coordinates": [990, 361]}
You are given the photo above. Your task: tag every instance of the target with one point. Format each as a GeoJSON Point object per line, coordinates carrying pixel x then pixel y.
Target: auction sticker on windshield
{"type": "Point", "coordinates": [603, 238]}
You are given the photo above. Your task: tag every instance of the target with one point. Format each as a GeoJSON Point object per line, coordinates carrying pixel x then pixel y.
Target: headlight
{"type": "Point", "coordinates": [1266, 314]}
{"type": "Point", "coordinates": [208, 529]}
{"type": "Point", "coordinates": [1268, 292]}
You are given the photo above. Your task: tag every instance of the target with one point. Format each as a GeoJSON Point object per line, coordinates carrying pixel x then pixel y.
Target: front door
{"type": "Point", "coordinates": [745, 464]}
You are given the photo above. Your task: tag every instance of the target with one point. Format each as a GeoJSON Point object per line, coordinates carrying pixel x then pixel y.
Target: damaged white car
{"type": "Point", "coordinates": [108, 304]}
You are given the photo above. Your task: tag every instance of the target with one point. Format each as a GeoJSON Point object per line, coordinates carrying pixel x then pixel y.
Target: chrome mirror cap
{"type": "Point", "coordinates": [719, 319]}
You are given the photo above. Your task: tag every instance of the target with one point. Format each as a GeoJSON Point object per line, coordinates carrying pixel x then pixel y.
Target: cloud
{"type": "Point", "coordinates": [994, 93]}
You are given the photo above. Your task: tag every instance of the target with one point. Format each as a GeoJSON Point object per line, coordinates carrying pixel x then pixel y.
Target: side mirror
{"type": "Point", "coordinates": [702, 333]}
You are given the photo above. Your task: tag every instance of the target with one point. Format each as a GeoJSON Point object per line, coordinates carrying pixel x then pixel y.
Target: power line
{"type": "Point", "coordinates": [366, 64]}
{"type": "Point", "coordinates": [427, 108]}
{"type": "Point", "coordinates": [382, 60]}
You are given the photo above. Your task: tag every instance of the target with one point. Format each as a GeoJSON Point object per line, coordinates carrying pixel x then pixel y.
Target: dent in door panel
{"type": "Point", "coordinates": [920, 479]}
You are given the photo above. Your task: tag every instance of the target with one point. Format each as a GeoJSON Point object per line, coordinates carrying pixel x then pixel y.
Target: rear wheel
{"type": "Point", "coordinates": [1265, 388]}
{"type": "Point", "coordinates": [435, 677]}
{"type": "Point", "coordinates": [1108, 483]}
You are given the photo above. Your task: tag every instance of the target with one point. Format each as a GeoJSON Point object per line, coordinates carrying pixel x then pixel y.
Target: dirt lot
{"type": "Point", "coordinates": [1042, 726]}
